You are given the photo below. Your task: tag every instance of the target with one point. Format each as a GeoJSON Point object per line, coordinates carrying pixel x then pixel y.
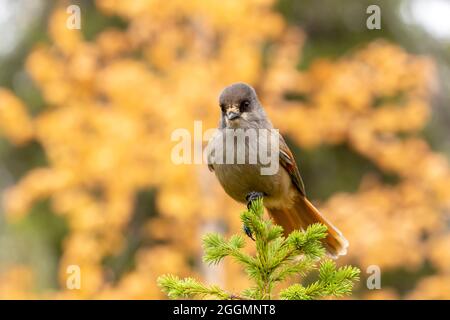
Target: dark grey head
{"type": "Point", "coordinates": [240, 107]}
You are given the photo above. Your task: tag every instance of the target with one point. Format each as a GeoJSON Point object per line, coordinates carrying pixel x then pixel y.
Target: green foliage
{"type": "Point", "coordinates": [277, 258]}
{"type": "Point", "coordinates": [332, 282]}
{"type": "Point", "coordinates": [188, 287]}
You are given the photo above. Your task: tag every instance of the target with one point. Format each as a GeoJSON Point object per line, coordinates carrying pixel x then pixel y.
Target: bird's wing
{"type": "Point", "coordinates": [287, 161]}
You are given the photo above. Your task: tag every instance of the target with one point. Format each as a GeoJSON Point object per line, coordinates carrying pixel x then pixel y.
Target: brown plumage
{"type": "Point", "coordinates": [284, 192]}
{"type": "Point", "coordinates": [301, 215]}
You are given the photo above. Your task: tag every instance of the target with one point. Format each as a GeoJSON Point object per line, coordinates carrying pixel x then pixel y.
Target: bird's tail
{"type": "Point", "coordinates": [301, 215]}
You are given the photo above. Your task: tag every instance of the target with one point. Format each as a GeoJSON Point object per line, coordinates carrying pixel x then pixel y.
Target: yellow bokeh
{"type": "Point", "coordinates": [112, 103]}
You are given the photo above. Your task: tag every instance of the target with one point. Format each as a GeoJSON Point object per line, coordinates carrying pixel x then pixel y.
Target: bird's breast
{"type": "Point", "coordinates": [238, 177]}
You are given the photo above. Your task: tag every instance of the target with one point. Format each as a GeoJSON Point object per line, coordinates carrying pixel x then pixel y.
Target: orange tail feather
{"type": "Point", "coordinates": [301, 215]}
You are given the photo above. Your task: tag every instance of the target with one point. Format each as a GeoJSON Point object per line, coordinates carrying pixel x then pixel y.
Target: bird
{"type": "Point", "coordinates": [283, 192]}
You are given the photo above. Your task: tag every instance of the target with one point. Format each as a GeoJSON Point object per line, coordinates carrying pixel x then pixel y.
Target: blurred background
{"type": "Point", "coordinates": [86, 117]}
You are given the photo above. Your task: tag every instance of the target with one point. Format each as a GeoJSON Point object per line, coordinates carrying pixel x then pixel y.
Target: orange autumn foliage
{"type": "Point", "coordinates": [113, 102]}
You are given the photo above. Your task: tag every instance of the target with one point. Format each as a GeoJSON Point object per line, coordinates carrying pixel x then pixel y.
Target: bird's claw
{"type": "Point", "coordinates": [252, 196]}
{"type": "Point", "coordinates": [248, 232]}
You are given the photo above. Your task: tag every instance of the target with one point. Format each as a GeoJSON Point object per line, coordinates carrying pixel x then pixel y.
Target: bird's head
{"type": "Point", "coordinates": [240, 106]}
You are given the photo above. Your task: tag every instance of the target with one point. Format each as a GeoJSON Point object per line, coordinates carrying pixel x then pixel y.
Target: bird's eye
{"type": "Point", "coordinates": [244, 105]}
{"type": "Point", "coordinates": [222, 107]}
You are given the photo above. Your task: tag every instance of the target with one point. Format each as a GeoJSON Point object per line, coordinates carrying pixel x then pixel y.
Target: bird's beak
{"type": "Point", "coordinates": [233, 113]}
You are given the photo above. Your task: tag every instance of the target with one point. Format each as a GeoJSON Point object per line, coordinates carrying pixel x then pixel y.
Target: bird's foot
{"type": "Point", "coordinates": [252, 196]}
{"type": "Point", "coordinates": [248, 232]}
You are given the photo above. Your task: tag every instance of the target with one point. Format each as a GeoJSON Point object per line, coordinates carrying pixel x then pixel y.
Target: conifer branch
{"type": "Point", "coordinates": [277, 258]}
